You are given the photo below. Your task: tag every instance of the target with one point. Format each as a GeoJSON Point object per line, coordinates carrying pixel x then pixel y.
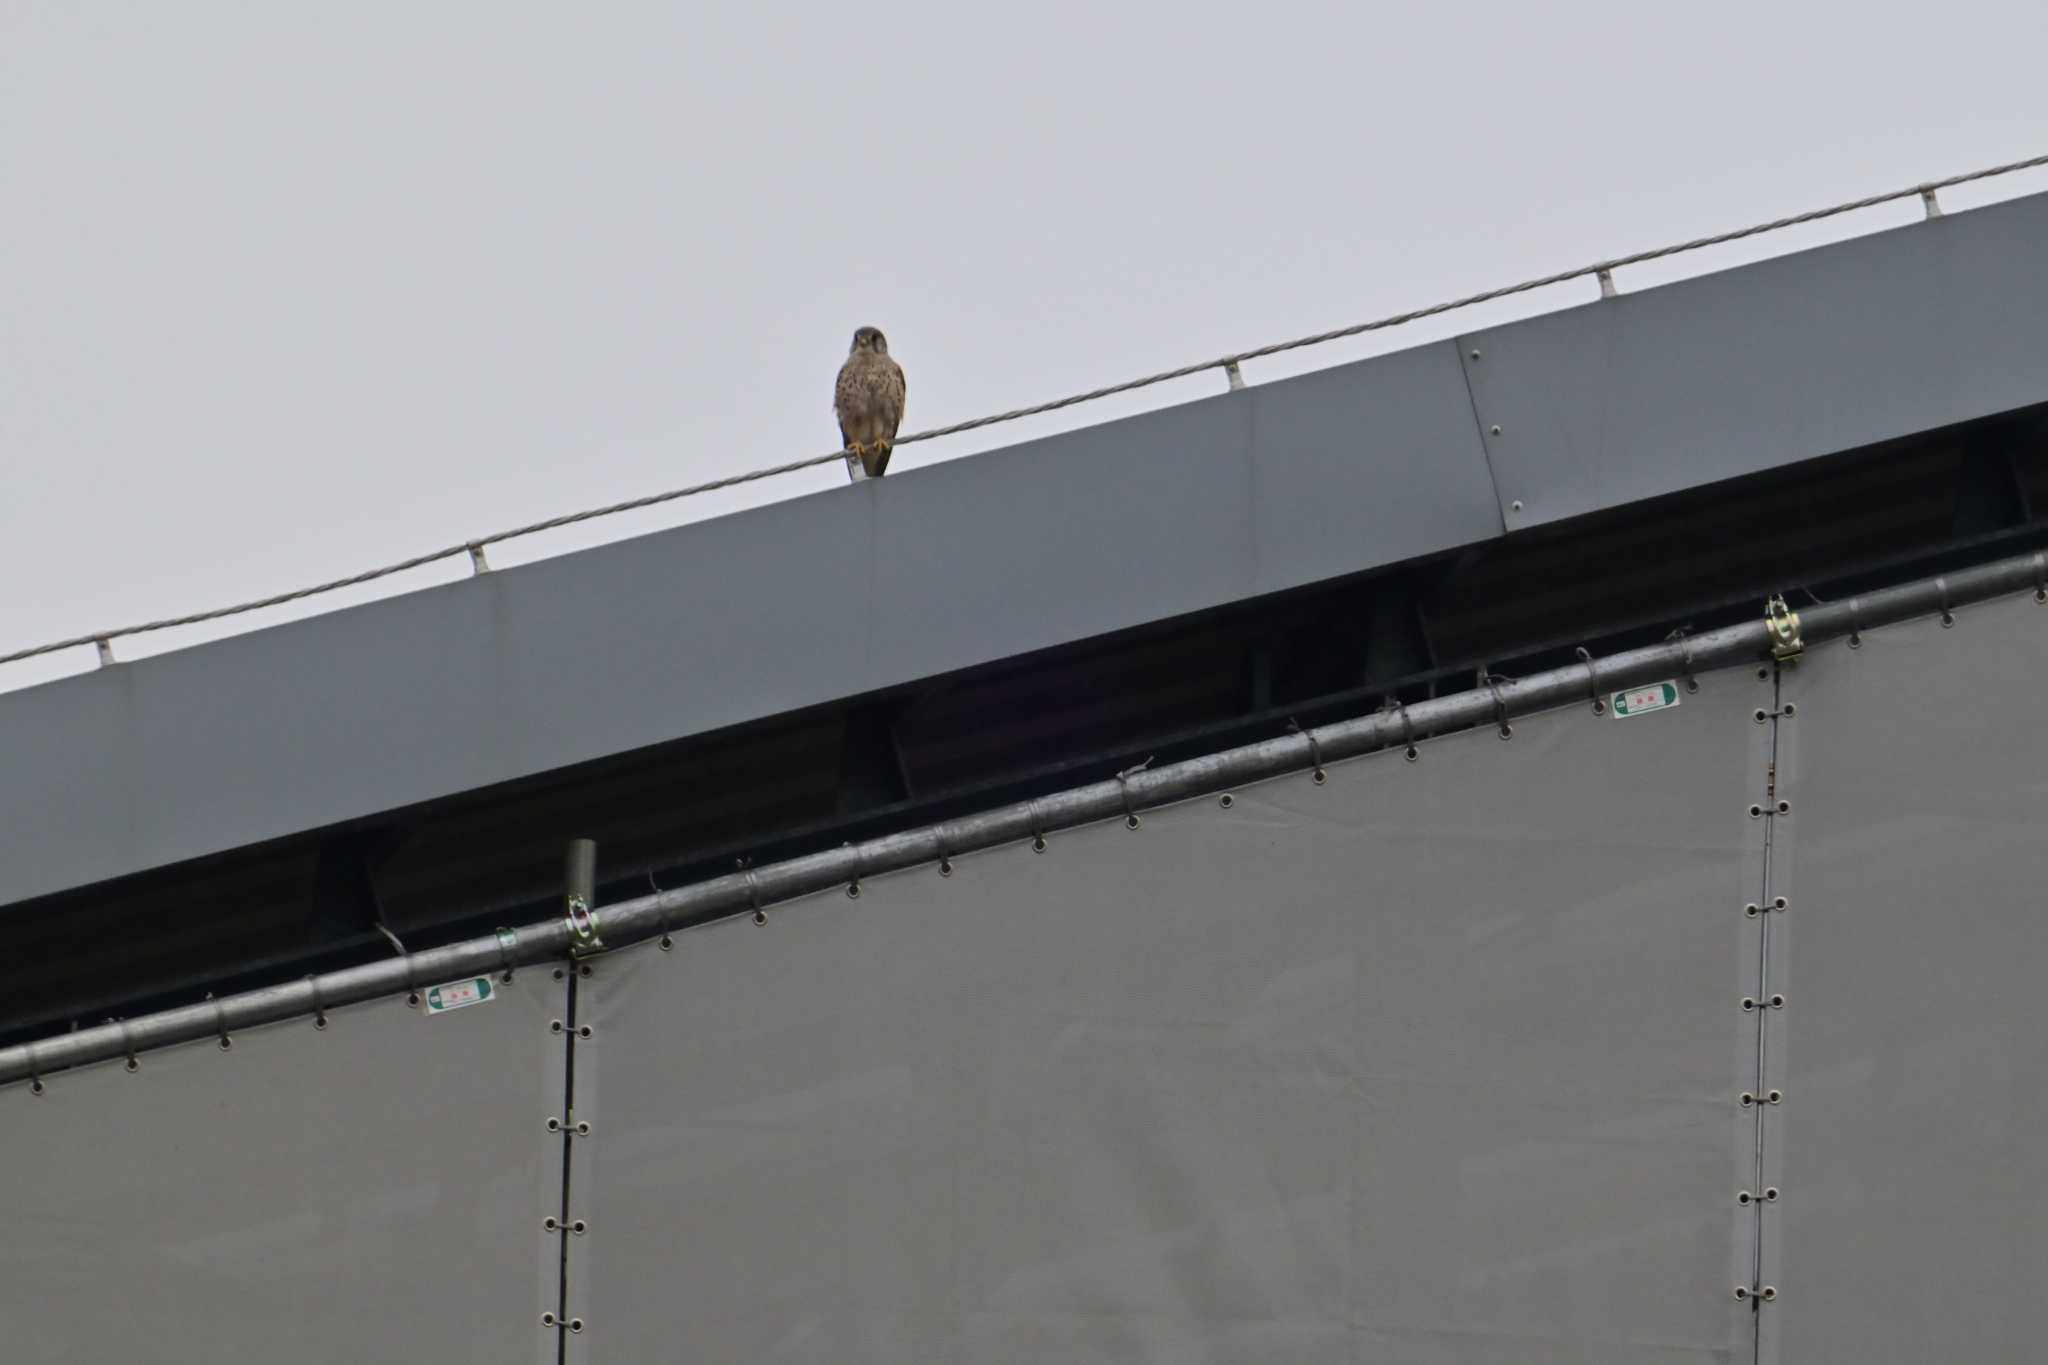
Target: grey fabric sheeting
{"type": "Point", "coordinates": [370, 1192]}
{"type": "Point", "coordinates": [1435, 1062]}
{"type": "Point", "coordinates": [1912, 1146]}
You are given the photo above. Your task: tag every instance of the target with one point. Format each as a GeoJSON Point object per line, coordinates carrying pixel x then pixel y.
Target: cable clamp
{"type": "Point", "coordinates": [1783, 624]}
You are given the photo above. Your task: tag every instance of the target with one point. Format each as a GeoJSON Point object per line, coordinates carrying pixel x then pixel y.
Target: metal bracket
{"type": "Point", "coordinates": [1235, 375]}
{"type": "Point", "coordinates": [583, 936]}
{"type": "Point", "coordinates": [477, 563]}
{"type": "Point", "coordinates": [1930, 202]}
{"type": "Point", "coordinates": [1607, 290]}
{"type": "Point", "coordinates": [1783, 624]}
{"type": "Point", "coordinates": [580, 889]}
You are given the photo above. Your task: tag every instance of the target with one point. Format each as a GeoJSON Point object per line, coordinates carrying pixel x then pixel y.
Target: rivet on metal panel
{"type": "Point", "coordinates": [1123, 782]}
{"type": "Point", "coordinates": [1756, 812]}
{"type": "Point", "coordinates": [413, 999]}
{"type": "Point", "coordinates": [1784, 808]}
{"type": "Point", "coordinates": [1760, 715]}
{"type": "Point", "coordinates": [1515, 506]}
{"type": "Point", "coordinates": [477, 563]}
{"type": "Point", "coordinates": [1592, 680]}
{"type": "Point", "coordinates": [1789, 710]}
{"type": "Point", "coordinates": [1226, 801]}
{"type": "Point", "coordinates": [1769, 1293]}
{"type": "Point", "coordinates": [1748, 1003]}
{"type": "Point", "coordinates": [575, 1324]}
{"type": "Point", "coordinates": [584, 970]}
{"type": "Point", "coordinates": [1234, 375]}
{"type": "Point", "coordinates": [583, 1125]}
{"type": "Point", "coordinates": [1930, 202]}
{"type": "Point", "coordinates": [1774, 1097]}
{"type": "Point", "coordinates": [584, 1031]}
{"type": "Point", "coordinates": [1777, 1002]}
{"type": "Point", "coordinates": [1770, 1194]}
{"type": "Point", "coordinates": [559, 974]}
{"type": "Point", "coordinates": [556, 1026]}
{"type": "Point", "coordinates": [1495, 429]}
{"type": "Point", "coordinates": [1778, 903]}
{"type": "Point", "coordinates": [1742, 1197]}
{"type": "Point", "coordinates": [554, 1124]}
{"type": "Point", "coordinates": [579, 1227]}
{"type": "Point", "coordinates": [1763, 675]}
{"type": "Point", "coordinates": [1747, 1100]}
{"type": "Point", "coordinates": [1742, 1293]}
{"type": "Point", "coordinates": [35, 1085]}
{"type": "Point", "coordinates": [547, 1319]}
{"type": "Point", "coordinates": [1606, 278]}
{"type": "Point", "coordinates": [551, 1224]}
{"type": "Point", "coordinates": [1752, 910]}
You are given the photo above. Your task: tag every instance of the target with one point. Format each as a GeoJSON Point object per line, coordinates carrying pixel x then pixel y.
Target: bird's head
{"type": "Point", "coordinates": [870, 339]}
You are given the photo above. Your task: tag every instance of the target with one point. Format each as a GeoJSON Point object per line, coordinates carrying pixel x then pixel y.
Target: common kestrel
{"type": "Point", "coordinates": [869, 400]}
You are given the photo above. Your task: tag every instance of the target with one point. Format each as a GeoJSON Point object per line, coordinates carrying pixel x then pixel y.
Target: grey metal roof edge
{"type": "Point", "coordinates": [755, 890]}
{"type": "Point", "coordinates": [1064, 538]}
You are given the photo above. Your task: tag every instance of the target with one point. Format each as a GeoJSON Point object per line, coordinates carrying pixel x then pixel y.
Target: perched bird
{"type": "Point", "coordinates": [869, 400]}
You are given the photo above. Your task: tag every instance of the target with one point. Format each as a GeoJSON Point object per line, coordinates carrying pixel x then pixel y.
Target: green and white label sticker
{"type": "Point", "coordinates": [1637, 700]}
{"type": "Point", "coordinates": [457, 994]}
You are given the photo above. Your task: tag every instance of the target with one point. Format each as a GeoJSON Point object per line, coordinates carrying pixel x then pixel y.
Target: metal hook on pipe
{"type": "Point", "coordinates": [1315, 751]}
{"type": "Point", "coordinates": [1492, 683]}
{"type": "Point", "coordinates": [853, 887]}
{"type": "Point", "coordinates": [1123, 784]}
{"type": "Point", "coordinates": [319, 1009]}
{"type": "Point", "coordinates": [753, 890]}
{"type": "Point", "coordinates": [1592, 681]}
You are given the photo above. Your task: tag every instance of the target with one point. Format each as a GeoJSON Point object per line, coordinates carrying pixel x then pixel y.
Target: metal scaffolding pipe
{"type": "Point", "coordinates": [749, 891]}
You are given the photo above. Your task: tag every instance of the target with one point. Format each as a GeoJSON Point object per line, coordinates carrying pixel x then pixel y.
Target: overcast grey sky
{"type": "Point", "coordinates": [287, 291]}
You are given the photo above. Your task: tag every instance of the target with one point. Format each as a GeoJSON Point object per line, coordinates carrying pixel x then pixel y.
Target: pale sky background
{"type": "Point", "coordinates": [287, 291]}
